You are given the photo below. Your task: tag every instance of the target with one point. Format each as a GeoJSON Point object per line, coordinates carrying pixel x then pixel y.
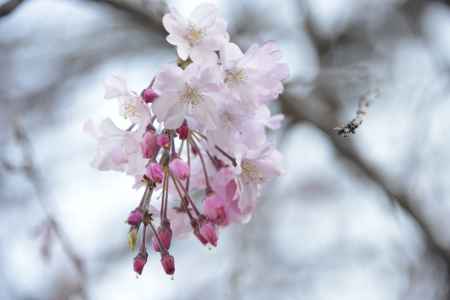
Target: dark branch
{"type": "Point", "coordinates": [397, 196]}
{"type": "Point", "coordinates": [9, 7]}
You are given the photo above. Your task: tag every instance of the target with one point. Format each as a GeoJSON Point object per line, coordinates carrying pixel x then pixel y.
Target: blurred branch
{"type": "Point", "coordinates": [9, 6]}
{"type": "Point", "coordinates": [140, 14]}
{"type": "Point", "coordinates": [28, 167]}
{"type": "Point", "coordinates": [299, 111]}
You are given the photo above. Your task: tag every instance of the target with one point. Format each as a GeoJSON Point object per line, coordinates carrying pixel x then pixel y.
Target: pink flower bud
{"type": "Point", "coordinates": [148, 144]}
{"type": "Point", "coordinates": [163, 140]}
{"type": "Point", "coordinates": [135, 217]}
{"type": "Point", "coordinates": [149, 95]}
{"type": "Point", "coordinates": [183, 131]}
{"type": "Point", "coordinates": [200, 237]}
{"type": "Point", "coordinates": [165, 236]}
{"type": "Point", "coordinates": [139, 262]}
{"type": "Point", "coordinates": [179, 168]}
{"type": "Point", "coordinates": [154, 172]}
{"type": "Point", "coordinates": [208, 231]}
{"type": "Point", "coordinates": [168, 264]}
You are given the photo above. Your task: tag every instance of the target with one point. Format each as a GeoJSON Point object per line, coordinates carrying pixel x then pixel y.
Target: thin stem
{"type": "Point", "coordinates": [181, 147]}
{"type": "Point", "coordinates": [173, 152]}
{"type": "Point", "coordinates": [163, 195]}
{"type": "Point", "coordinates": [231, 158]}
{"type": "Point", "coordinates": [142, 249]}
{"type": "Point", "coordinates": [166, 198]}
{"type": "Point", "coordinates": [145, 197]}
{"type": "Point", "coordinates": [205, 172]}
{"type": "Point", "coordinates": [223, 152]}
{"type": "Point", "coordinates": [161, 246]}
{"type": "Point", "coordinates": [178, 185]}
{"type": "Point", "coordinates": [188, 180]}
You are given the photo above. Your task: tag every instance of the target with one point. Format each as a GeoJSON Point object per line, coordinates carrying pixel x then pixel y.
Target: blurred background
{"type": "Point", "coordinates": [359, 217]}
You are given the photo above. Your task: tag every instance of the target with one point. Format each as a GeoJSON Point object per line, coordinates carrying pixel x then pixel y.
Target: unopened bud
{"type": "Point", "coordinates": [208, 231]}
{"type": "Point", "coordinates": [154, 172]}
{"type": "Point", "coordinates": [163, 140]}
{"type": "Point", "coordinates": [168, 264]}
{"type": "Point", "coordinates": [165, 236]}
{"type": "Point", "coordinates": [179, 168]}
{"type": "Point", "coordinates": [139, 262]}
{"type": "Point", "coordinates": [149, 146]}
{"type": "Point", "coordinates": [149, 95]}
{"type": "Point", "coordinates": [135, 217]}
{"type": "Point", "coordinates": [183, 131]}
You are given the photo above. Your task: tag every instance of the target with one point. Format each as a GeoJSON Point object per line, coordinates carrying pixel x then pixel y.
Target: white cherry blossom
{"type": "Point", "coordinates": [199, 35]}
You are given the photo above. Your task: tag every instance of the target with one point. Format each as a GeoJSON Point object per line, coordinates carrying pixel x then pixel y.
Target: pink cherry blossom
{"type": "Point", "coordinates": [186, 94]}
{"type": "Point", "coordinates": [203, 121]}
{"type": "Point", "coordinates": [131, 106]}
{"type": "Point", "coordinates": [199, 35]}
{"type": "Point", "coordinates": [117, 149]}
{"type": "Point", "coordinates": [256, 167]}
{"type": "Point", "coordinates": [255, 76]}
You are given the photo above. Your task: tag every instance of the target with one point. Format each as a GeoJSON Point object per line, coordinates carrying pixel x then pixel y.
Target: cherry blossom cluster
{"type": "Point", "coordinates": [197, 141]}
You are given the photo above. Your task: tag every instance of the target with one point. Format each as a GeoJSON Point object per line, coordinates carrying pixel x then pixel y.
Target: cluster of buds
{"type": "Point", "coordinates": [199, 128]}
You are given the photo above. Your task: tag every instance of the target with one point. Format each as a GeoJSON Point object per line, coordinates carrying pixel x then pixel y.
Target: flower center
{"type": "Point", "coordinates": [250, 172]}
{"type": "Point", "coordinates": [129, 110]}
{"type": "Point", "coordinates": [191, 95]}
{"type": "Point", "coordinates": [235, 76]}
{"type": "Point", "coordinates": [194, 35]}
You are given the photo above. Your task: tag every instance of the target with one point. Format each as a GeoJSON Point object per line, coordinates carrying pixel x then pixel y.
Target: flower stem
{"type": "Point", "coordinates": [202, 160]}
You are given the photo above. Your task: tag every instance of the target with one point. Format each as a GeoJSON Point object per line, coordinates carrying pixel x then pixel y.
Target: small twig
{"type": "Point", "coordinates": [363, 108]}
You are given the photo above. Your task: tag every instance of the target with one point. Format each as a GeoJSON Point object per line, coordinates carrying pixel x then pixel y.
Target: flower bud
{"type": "Point", "coordinates": [135, 217]}
{"type": "Point", "coordinates": [208, 231]}
{"type": "Point", "coordinates": [200, 237]}
{"type": "Point", "coordinates": [183, 131]}
{"type": "Point", "coordinates": [179, 168]}
{"type": "Point", "coordinates": [168, 263]}
{"type": "Point", "coordinates": [165, 236]}
{"type": "Point", "coordinates": [132, 238]}
{"type": "Point", "coordinates": [149, 146]}
{"type": "Point", "coordinates": [154, 172]}
{"type": "Point", "coordinates": [139, 262]}
{"type": "Point", "coordinates": [149, 95]}
{"type": "Point", "coordinates": [163, 140]}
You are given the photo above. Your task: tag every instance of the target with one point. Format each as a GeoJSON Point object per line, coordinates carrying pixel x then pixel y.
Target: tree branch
{"type": "Point", "coordinates": [397, 196]}
{"type": "Point", "coordinates": [9, 7]}
{"type": "Point", "coordinates": [30, 171]}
